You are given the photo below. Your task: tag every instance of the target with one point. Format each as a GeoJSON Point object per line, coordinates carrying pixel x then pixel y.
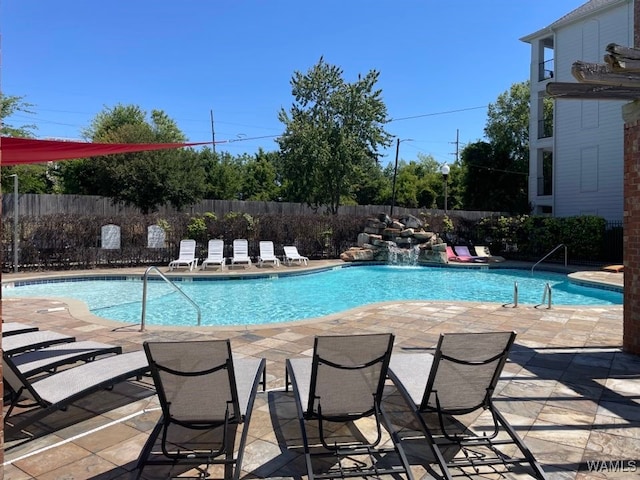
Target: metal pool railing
{"type": "Point", "coordinates": [549, 254]}
{"type": "Point", "coordinates": [173, 285]}
{"type": "Point", "coordinates": [546, 296]}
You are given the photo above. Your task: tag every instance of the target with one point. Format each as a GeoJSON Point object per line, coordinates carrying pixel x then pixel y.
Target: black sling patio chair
{"type": "Point", "coordinates": [458, 379]}
{"type": "Point", "coordinates": [49, 359]}
{"type": "Point", "coordinates": [33, 340]}
{"type": "Point", "coordinates": [205, 394]}
{"type": "Point", "coordinates": [58, 390]}
{"type": "Point", "coordinates": [16, 328]}
{"type": "Point", "coordinates": [343, 382]}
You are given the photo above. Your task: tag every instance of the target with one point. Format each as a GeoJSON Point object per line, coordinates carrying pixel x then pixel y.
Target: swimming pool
{"type": "Point", "coordinates": [244, 301]}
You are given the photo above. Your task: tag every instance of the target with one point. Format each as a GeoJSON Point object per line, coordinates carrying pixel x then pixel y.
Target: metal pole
{"type": "Point", "coordinates": [15, 223]}
{"type": "Point", "coordinates": [445, 194]}
{"type": "Point", "coordinates": [395, 173]}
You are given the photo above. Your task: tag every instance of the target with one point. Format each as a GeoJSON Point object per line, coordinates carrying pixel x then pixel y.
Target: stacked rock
{"type": "Point", "coordinates": [399, 241]}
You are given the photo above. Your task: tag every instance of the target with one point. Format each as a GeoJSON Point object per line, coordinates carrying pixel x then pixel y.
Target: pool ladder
{"type": "Point", "coordinates": [173, 285]}
{"type": "Point", "coordinates": [545, 296]}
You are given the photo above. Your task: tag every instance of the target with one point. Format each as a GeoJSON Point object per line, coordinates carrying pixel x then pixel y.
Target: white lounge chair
{"type": "Point", "coordinates": [291, 255]}
{"type": "Point", "coordinates": [187, 255]}
{"type": "Point", "coordinates": [483, 251]}
{"type": "Point", "coordinates": [215, 254]}
{"type": "Point", "coordinates": [267, 254]}
{"type": "Point", "coordinates": [240, 252]}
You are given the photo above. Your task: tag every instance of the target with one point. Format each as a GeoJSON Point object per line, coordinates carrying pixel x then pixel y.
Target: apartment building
{"type": "Point", "coordinates": [576, 153]}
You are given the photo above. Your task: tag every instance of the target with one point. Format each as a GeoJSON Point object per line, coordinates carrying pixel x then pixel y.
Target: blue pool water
{"type": "Point", "coordinates": [285, 298]}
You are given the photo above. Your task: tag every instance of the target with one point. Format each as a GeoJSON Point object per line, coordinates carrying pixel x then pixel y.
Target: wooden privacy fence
{"type": "Point", "coordinates": [30, 204]}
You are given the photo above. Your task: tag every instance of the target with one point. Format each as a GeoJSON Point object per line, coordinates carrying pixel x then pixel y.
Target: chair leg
{"type": "Point", "coordinates": [435, 450]}
{"type": "Point", "coordinates": [395, 438]}
{"type": "Point", "coordinates": [148, 446]}
{"type": "Point", "coordinates": [537, 468]}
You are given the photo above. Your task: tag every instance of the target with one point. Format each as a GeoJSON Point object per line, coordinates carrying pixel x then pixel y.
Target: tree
{"type": "Point", "coordinates": [490, 181]}
{"type": "Point", "coordinates": [260, 177]}
{"type": "Point", "coordinates": [507, 125]}
{"type": "Point", "coordinates": [10, 105]}
{"type": "Point", "coordinates": [224, 175]}
{"type": "Point", "coordinates": [142, 179]}
{"type": "Point", "coordinates": [371, 186]}
{"type": "Point", "coordinates": [34, 178]}
{"type": "Point", "coordinates": [496, 171]}
{"type": "Point", "coordinates": [332, 135]}
{"type": "Point", "coordinates": [419, 183]}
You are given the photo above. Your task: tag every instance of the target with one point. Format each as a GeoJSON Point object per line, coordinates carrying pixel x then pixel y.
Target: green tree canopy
{"type": "Point", "coordinates": [261, 177]}
{"type": "Point", "coordinates": [332, 135]}
{"type": "Point", "coordinates": [491, 182]}
{"type": "Point", "coordinates": [496, 171]}
{"type": "Point", "coordinates": [142, 179]}
{"type": "Point", "coordinates": [224, 174]}
{"type": "Point", "coordinates": [34, 178]}
{"type": "Point", "coordinates": [507, 127]}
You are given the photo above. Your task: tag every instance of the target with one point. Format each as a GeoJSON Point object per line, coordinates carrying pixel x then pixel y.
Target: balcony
{"type": "Point", "coordinates": [545, 128]}
{"type": "Point", "coordinates": [545, 70]}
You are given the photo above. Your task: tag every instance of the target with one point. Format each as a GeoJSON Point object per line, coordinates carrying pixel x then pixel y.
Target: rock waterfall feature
{"type": "Point", "coordinates": [402, 241]}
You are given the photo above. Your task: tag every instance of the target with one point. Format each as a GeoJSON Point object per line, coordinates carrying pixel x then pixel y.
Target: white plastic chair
{"type": "Point", "coordinates": [187, 255]}
{"type": "Point", "coordinates": [215, 254]}
{"type": "Point", "coordinates": [291, 255]}
{"type": "Point", "coordinates": [241, 252]}
{"type": "Point", "coordinates": [267, 254]}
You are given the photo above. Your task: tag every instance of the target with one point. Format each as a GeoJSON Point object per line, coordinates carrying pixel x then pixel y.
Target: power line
{"type": "Point", "coordinates": [437, 113]}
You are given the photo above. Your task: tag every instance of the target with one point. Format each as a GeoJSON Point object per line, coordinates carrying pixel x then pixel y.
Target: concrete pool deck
{"type": "Point", "coordinates": [569, 390]}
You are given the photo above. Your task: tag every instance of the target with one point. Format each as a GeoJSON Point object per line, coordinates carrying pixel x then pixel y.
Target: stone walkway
{"type": "Point", "coordinates": [567, 389]}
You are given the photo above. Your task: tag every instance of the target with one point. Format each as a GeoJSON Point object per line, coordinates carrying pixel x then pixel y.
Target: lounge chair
{"type": "Point", "coordinates": [291, 255]}
{"type": "Point", "coordinates": [483, 251]}
{"type": "Point", "coordinates": [463, 251]}
{"type": "Point", "coordinates": [344, 382]}
{"type": "Point", "coordinates": [186, 257]}
{"type": "Point", "coordinates": [215, 254]}
{"type": "Point", "coordinates": [16, 328]}
{"type": "Point", "coordinates": [610, 268]}
{"type": "Point", "coordinates": [59, 390]}
{"type": "Point", "coordinates": [452, 257]}
{"type": "Point", "coordinates": [23, 342]}
{"type": "Point", "coordinates": [48, 359]}
{"type": "Point", "coordinates": [241, 252]}
{"type": "Point", "coordinates": [204, 394]}
{"type": "Point", "coordinates": [459, 379]}
{"type": "Point", "coordinates": [267, 254]}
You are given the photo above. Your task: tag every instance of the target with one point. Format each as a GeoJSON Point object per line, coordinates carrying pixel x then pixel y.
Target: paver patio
{"type": "Point", "coordinates": [569, 390]}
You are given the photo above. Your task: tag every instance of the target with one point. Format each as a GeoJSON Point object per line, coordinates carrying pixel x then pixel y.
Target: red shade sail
{"type": "Point", "coordinates": [18, 151]}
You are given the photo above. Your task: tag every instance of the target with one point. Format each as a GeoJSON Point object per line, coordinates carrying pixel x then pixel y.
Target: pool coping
{"type": "Point", "coordinates": [578, 275]}
{"type": "Point", "coordinates": [80, 310]}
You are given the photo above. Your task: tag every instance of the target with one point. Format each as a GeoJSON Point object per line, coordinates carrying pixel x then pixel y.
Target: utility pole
{"type": "Point", "coordinates": [213, 134]}
{"type": "Point", "coordinates": [457, 144]}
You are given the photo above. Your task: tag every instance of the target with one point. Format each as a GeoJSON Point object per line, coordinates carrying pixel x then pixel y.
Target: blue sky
{"type": "Point", "coordinates": [440, 62]}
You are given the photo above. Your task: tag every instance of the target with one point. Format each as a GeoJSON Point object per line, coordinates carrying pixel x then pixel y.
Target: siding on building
{"type": "Point", "coordinates": [587, 141]}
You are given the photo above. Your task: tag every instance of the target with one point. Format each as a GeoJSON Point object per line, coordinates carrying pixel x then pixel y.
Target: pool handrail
{"type": "Point", "coordinates": [548, 254]}
{"type": "Point", "coordinates": [175, 287]}
{"type": "Point", "coordinates": [546, 296]}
